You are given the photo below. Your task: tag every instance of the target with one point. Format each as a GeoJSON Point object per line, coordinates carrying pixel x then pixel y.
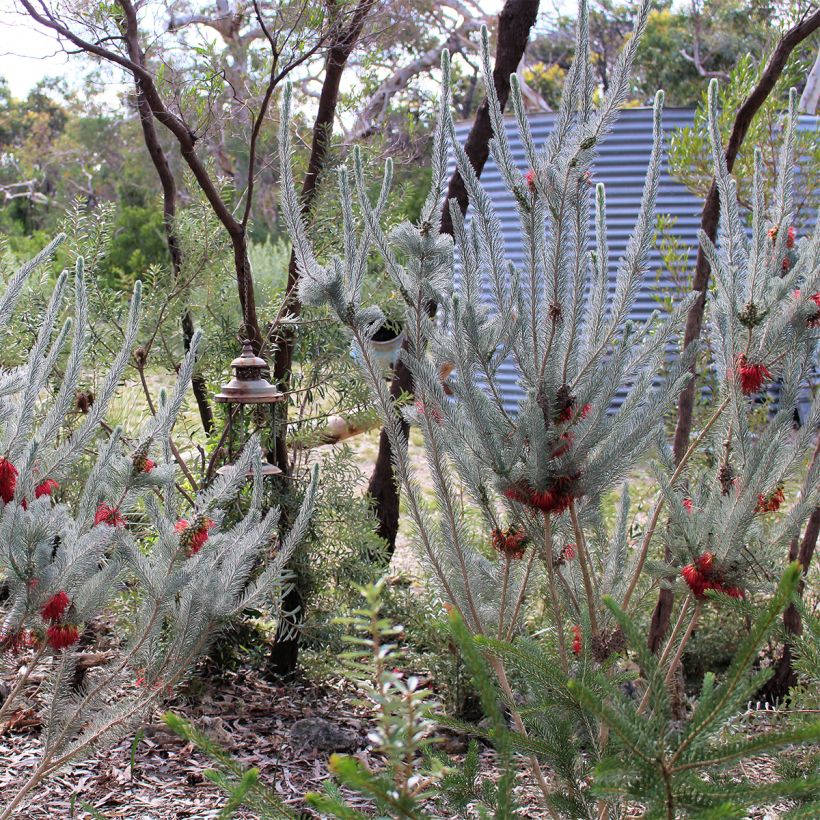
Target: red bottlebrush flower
{"type": "Point", "coordinates": [110, 516]}
{"type": "Point", "coordinates": [751, 375]}
{"type": "Point", "coordinates": [566, 414]}
{"type": "Point", "coordinates": [695, 581]}
{"type": "Point", "coordinates": [555, 499]}
{"type": "Point", "coordinates": [568, 553]}
{"type": "Point", "coordinates": [55, 607]}
{"type": "Point", "coordinates": [814, 321]}
{"type": "Point", "coordinates": [16, 642]}
{"type": "Point", "coordinates": [193, 538]}
{"type": "Point", "coordinates": [514, 494]}
{"type": "Point", "coordinates": [771, 503]}
{"type": "Point", "coordinates": [529, 178]}
{"type": "Point", "coordinates": [790, 237]}
{"type": "Point", "coordinates": [435, 412]}
{"type": "Point", "coordinates": [703, 574]}
{"type": "Point", "coordinates": [140, 680]}
{"type": "Point", "coordinates": [510, 542]}
{"type": "Point", "coordinates": [688, 504]}
{"type": "Point", "coordinates": [141, 462]}
{"type": "Point", "coordinates": [576, 641]}
{"type": "Point", "coordinates": [46, 487]}
{"type": "Point", "coordinates": [786, 263]}
{"type": "Point", "coordinates": [8, 480]}
{"type": "Point", "coordinates": [61, 636]}
{"type": "Point", "coordinates": [773, 232]}
{"type": "Point", "coordinates": [568, 440]}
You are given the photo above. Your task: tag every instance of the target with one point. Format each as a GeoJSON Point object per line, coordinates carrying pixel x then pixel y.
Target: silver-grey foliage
{"type": "Point", "coordinates": [183, 591]}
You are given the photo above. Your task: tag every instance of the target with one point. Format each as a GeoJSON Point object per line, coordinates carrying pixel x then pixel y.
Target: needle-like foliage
{"type": "Point", "coordinates": [67, 553]}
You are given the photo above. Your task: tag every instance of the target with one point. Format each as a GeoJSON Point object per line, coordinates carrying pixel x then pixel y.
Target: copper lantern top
{"type": "Point", "coordinates": [248, 386]}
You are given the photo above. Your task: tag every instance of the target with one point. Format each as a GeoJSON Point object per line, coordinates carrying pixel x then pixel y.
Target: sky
{"type": "Point", "coordinates": [27, 55]}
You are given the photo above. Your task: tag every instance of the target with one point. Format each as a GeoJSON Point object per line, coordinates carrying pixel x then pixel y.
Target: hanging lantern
{"type": "Point", "coordinates": [251, 402]}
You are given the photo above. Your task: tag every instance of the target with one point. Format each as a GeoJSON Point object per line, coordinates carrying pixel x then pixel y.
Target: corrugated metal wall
{"type": "Point", "coordinates": [621, 166]}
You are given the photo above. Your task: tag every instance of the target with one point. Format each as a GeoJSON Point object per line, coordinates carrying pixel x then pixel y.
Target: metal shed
{"type": "Point", "coordinates": [621, 165]}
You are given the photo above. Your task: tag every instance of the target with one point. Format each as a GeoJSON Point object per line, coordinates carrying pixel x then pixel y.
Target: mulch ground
{"type": "Point", "coordinates": [245, 714]}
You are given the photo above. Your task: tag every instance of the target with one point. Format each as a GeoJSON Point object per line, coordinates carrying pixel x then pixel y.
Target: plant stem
{"type": "Point", "coordinates": [521, 594]}
{"type": "Point", "coordinates": [684, 640]}
{"type": "Point", "coordinates": [21, 682]}
{"type": "Point", "coordinates": [668, 648]}
{"type": "Point", "coordinates": [501, 675]}
{"type": "Point", "coordinates": [582, 559]}
{"type": "Point", "coordinates": [556, 606]}
{"type": "Point", "coordinates": [505, 581]}
{"type": "Point", "coordinates": [653, 522]}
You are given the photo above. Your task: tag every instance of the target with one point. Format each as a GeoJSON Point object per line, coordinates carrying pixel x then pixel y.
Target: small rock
{"type": "Point", "coordinates": [323, 735]}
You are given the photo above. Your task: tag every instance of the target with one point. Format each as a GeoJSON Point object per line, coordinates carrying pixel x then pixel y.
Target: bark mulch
{"type": "Point", "coordinates": [248, 716]}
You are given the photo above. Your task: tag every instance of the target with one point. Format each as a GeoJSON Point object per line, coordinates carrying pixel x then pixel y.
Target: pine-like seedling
{"type": "Point", "coordinates": [403, 729]}
{"type": "Point", "coordinates": [538, 476]}
{"type": "Point", "coordinates": [678, 770]}
{"type": "Point", "coordinates": [66, 554]}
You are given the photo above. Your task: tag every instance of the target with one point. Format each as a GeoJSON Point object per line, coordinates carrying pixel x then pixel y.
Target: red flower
{"type": "Point", "coordinates": [148, 465]}
{"type": "Point", "coordinates": [110, 516]}
{"type": "Point", "coordinates": [790, 237]}
{"type": "Point", "coordinates": [193, 538]}
{"type": "Point", "coordinates": [771, 503]}
{"type": "Point", "coordinates": [703, 574]}
{"type": "Point", "coordinates": [773, 232]}
{"type": "Point", "coordinates": [46, 487]}
{"type": "Point", "coordinates": [814, 321]}
{"type": "Point", "coordinates": [551, 501]}
{"type": "Point", "coordinates": [696, 582]}
{"type": "Point", "coordinates": [60, 636]}
{"type": "Point", "coordinates": [566, 414]}
{"type": "Point", "coordinates": [8, 479]}
{"type": "Point", "coordinates": [556, 498]}
{"type": "Point", "coordinates": [55, 607]}
{"type": "Point", "coordinates": [751, 375]}
{"type": "Point", "coordinates": [529, 178]}
{"type": "Point", "coordinates": [568, 440]}
{"type": "Point", "coordinates": [510, 542]}
{"type": "Point", "coordinates": [576, 641]}
{"type": "Point", "coordinates": [435, 412]}
{"type": "Point", "coordinates": [786, 263]}
{"type": "Point", "coordinates": [568, 553]}
{"type": "Point", "coordinates": [16, 642]}
{"type": "Point", "coordinates": [688, 504]}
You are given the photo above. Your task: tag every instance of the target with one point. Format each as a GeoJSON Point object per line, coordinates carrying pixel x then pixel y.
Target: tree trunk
{"type": "Point", "coordinates": [700, 284]}
{"type": "Point", "coordinates": [777, 687]}
{"type": "Point", "coordinates": [811, 93]}
{"type": "Point", "coordinates": [285, 651]}
{"type": "Point", "coordinates": [514, 24]}
{"type": "Point", "coordinates": [169, 207]}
